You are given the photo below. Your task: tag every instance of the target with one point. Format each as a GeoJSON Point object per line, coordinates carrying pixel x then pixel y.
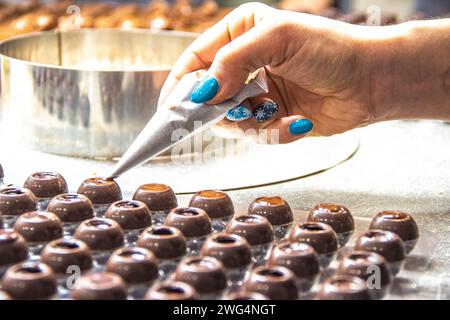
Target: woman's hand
{"type": "Point", "coordinates": [324, 76]}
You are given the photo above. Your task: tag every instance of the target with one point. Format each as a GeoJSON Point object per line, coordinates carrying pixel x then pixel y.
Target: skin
{"type": "Point", "coordinates": [337, 75]}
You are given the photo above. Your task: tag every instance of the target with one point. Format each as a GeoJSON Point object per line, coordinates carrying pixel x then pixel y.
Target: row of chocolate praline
{"type": "Point", "coordinates": [122, 248]}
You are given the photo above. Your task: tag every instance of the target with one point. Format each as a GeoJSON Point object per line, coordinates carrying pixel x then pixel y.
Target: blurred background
{"type": "Point", "coordinates": [19, 17]}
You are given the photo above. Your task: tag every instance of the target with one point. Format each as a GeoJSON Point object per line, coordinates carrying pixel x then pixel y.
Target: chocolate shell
{"type": "Point", "coordinates": [164, 241]}
{"type": "Point", "coordinates": [274, 209]}
{"type": "Point", "coordinates": [100, 190]}
{"type": "Point", "coordinates": [157, 197]}
{"type": "Point", "coordinates": [217, 204]}
{"type": "Point", "coordinates": [230, 249]}
{"type": "Point", "coordinates": [71, 207]}
{"type": "Point", "coordinates": [254, 228]}
{"type": "Point", "coordinates": [192, 222]}
{"type": "Point", "coordinates": [46, 184]}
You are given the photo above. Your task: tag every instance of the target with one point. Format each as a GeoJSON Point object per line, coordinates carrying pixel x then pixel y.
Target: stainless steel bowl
{"type": "Point", "coordinates": [84, 93]}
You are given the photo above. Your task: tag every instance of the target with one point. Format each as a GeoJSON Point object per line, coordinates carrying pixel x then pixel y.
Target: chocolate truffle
{"type": "Point", "coordinates": [192, 222]}
{"type": "Point", "coordinates": [172, 291]}
{"type": "Point", "coordinates": [365, 265]}
{"type": "Point", "coordinates": [336, 216]}
{"type": "Point", "coordinates": [230, 249]}
{"type": "Point", "coordinates": [46, 185]}
{"type": "Point", "coordinates": [275, 282]}
{"type": "Point", "coordinates": [62, 253]}
{"type": "Point", "coordinates": [343, 287]}
{"type": "Point", "coordinates": [401, 223]}
{"type": "Point", "coordinates": [16, 200]}
{"type": "Point", "coordinates": [100, 191]}
{"type": "Point", "coordinates": [301, 259]}
{"type": "Point", "coordinates": [39, 226]}
{"type": "Point", "coordinates": [131, 215]}
{"type": "Point", "coordinates": [246, 295]}
{"type": "Point", "coordinates": [318, 235]}
{"type": "Point", "coordinates": [217, 204]}
{"type": "Point", "coordinates": [206, 274]}
{"type": "Point", "coordinates": [71, 207]}
{"type": "Point", "coordinates": [254, 228]}
{"type": "Point", "coordinates": [30, 281]}
{"type": "Point", "coordinates": [157, 197]}
{"type": "Point", "coordinates": [385, 243]}
{"type": "Point", "coordinates": [13, 248]}
{"type": "Point", "coordinates": [100, 234]}
{"type": "Point", "coordinates": [100, 286]}
{"type": "Point", "coordinates": [164, 241]}
{"type": "Point", "coordinates": [274, 209]}
{"type": "Point", "coordinates": [134, 265]}
{"type": "Point", "coordinates": [4, 296]}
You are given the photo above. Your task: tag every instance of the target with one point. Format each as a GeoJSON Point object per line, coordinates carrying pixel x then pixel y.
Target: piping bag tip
{"type": "Point", "coordinates": [179, 117]}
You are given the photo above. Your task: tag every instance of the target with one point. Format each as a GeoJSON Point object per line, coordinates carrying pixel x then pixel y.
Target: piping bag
{"type": "Point", "coordinates": [177, 113]}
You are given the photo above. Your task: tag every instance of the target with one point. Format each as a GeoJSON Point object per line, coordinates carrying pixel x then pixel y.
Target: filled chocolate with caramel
{"type": "Point", "coordinates": [217, 204]}
{"type": "Point", "coordinates": [100, 286]}
{"type": "Point", "coordinates": [13, 248]}
{"type": "Point", "coordinates": [157, 197]}
{"type": "Point", "coordinates": [401, 223]}
{"type": "Point", "coordinates": [45, 185]}
{"type": "Point", "coordinates": [134, 265]}
{"type": "Point", "coordinates": [131, 215]}
{"type": "Point", "coordinates": [275, 282]}
{"type": "Point", "coordinates": [30, 281]}
{"type": "Point", "coordinates": [39, 227]}
{"type": "Point", "coordinates": [63, 253]}
{"type": "Point", "coordinates": [301, 259]}
{"type": "Point", "coordinates": [365, 264]}
{"type": "Point", "coordinates": [172, 290]}
{"type": "Point", "coordinates": [318, 235]}
{"type": "Point", "coordinates": [71, 207]}
{"type": "Point", "coordinates": [385, 243]}
{"type": "Point", "coordinates": [206, 274]}
{"type": "Point", "coordinates": [336, 216]}
{"type": "Point", "coordinates": [344, 287]}
{"type": "Point", "coordinates": [100, 234]}
{"type": "Point", "coordinates": [100, 191]}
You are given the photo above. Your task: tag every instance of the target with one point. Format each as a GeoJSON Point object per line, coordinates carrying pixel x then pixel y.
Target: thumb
{"type": "Point", "coordinates": [259, 47]}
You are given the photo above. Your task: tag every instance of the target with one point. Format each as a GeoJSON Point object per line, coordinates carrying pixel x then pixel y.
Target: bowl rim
{"type": "Point", "coordinates": [22, 37]}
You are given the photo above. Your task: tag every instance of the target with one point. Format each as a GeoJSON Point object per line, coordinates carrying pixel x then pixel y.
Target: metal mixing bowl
{"type": "Point", "coordinates": [84, 93]}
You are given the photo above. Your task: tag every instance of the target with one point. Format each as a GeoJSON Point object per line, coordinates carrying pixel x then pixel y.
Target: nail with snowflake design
{"type": "Point", "coordinates": [265, 111]}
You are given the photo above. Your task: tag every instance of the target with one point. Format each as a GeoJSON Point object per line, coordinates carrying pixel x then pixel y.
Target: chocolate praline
{"type": "Point", "coordinates": [62, 253]}
{"type": "Point", "coordinates": [172, 290]}
{"type": "Point", "coordinates": [131, 215]}
{"type": "Point", "coordinates": [39, 226]}
{"type": "Point", "coordinates": [254, 228]}
{"type": "Point", "coordinates": [100, 286]}
{"type": "Point", "coordinates": [230, 249]}
{"type": "Point", "coordinates": [301, 259]}
{"type": "Point", "coordinates": [344, 287]}
{"type": "Point", "coordinates": [336, 216]}
{"type": "Point", "coordinates": [275, 282]}
{"type": "Point", "coordinates": [134, 265]}
{"type": "Point", "coordinates": [71, 207]}
{"type": "Point", "coordinates": [46, 185]}
{"type": "Point", "coordinates": [206, 274]}
{"type": "Point", "coordinates": [274, 209]}
{"type": "Point", "coordinates": [401, 223]}
{"type": "Point", "coordinates": [13, 248]}
{"type": "Point", "coordinates": [100, 191]}
{"type": "Point", "coordinates": [100, 234]}
{"type": "Point", "coordinates": [16, 200]}
{"type": "Point", "coordinates": [157, 197]}
{"type": "Point", "coordinates": [192, 222]}
{"type": "Point", "coordinates": [30, 281]}
{"type": "Point", "coordinates": [318, 235]}
{"type": "Point", "coordinates": [246, 295]}
{"type": "Point", "coordinates": [385, 243]}
{"type": "Point", "coordinates": [217, 204]}
{"type": "Point", "coordinates": [365, 264]}
{"type": "Point", "coordinates": [164, 241]}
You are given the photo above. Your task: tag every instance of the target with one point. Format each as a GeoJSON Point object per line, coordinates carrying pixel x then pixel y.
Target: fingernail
{"type": "Point", "coordinates": [265, 111]}
{"type": "Point", "coordinates": [238, 113]}
{"type": "Point", "coordinates": [300, 126]}
{"type": "Point", "coordinates": [205, 91]}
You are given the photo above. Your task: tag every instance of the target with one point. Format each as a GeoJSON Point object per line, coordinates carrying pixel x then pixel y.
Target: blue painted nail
{"type": "Point", "coordinates": [265, 111]}
{"type": "Point", "coordinates": [238, 113]}
{"type": "Point", "coordinates": [300, 126]}
{"type": "Point", "coordinates": [205, 91]}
